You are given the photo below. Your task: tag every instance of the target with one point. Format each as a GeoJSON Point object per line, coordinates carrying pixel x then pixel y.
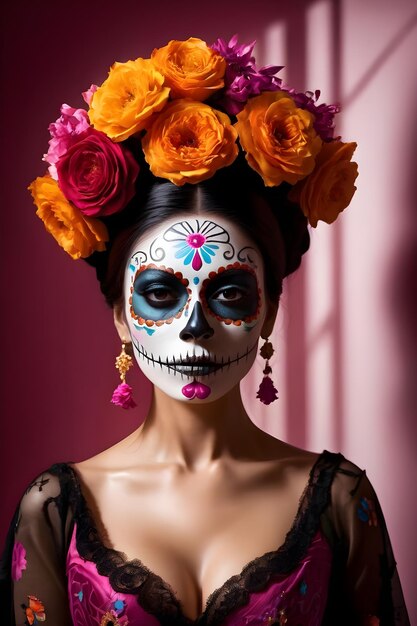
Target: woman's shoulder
{"type": "Point", "coordinates": [329, 477]}
{"type": "Point", "coordinates": [116, 458]}
{"type": "Point", "coordinates": [51, 486]}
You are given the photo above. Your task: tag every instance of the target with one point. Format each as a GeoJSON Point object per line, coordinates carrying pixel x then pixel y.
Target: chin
{"type": "Point", "coordinates": [199, 389]}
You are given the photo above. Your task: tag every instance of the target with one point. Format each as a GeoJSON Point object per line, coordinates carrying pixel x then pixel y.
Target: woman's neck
{"type": "Point", "coordinates": [197, 436]}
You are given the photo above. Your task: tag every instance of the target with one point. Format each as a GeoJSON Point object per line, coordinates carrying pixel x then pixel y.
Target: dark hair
{"type": "Point", "coordinates": [277, 226]}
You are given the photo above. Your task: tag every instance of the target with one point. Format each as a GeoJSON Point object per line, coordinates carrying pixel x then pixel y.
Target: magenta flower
{"type": "Point", "coordinates": [242, 79]}
{"type": "Point", "coordinates": [122, 396]}
{"type": "Point", "coordinates": [64, 132]}
{"type": "Point", "coordinates": [97, 175]}
{"type": "Point", "coordinates": [239, 57]}
{"type": "Point", "coordinates": [323, 113]}
{"type": "Point", "coordinates": [19, 562]}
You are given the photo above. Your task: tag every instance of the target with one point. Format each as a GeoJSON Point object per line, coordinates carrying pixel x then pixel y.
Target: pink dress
{"type": "Point", "coordinates": [335, 567]}
{"type": "Point", "coordinates": [299, 597]}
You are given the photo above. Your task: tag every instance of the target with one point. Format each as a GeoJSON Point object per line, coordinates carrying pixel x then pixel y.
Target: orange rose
{"type": "Point", "coordinates": [191, 68]}
{"type": "Point", "coordinates": [189, 141]}
{"type": "Point", "coordinates": [278, 138]}
{"type": "Point", "coordinates": [329, 189]}
{"type": "Point", "coordinates": [126, 101]}
{"type": "Point", "coordinates": [79, 236]}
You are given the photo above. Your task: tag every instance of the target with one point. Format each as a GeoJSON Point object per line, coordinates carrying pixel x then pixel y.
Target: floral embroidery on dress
{"type": "Point", "coordinates": [303, 587]}
{"type": "Point", "coordinates": [282, 618]}
{"type": "Point", "coordinates": [40, 483]}
{"type": "Point", "coordinates": [110, 618]}
{"type": "Point", "coordinates": [366, 511]}
{"type": "Point", "coordinates": [34, 611]}
{"type": "Point", "coordinates": [119, 606]}
{"type": "Point", "coordinates": [19, 562]}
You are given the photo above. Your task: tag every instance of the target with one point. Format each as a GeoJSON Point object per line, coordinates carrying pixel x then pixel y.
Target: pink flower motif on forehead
{"type": "Point", "coordinates": [195, 250]}
{"type": "Point", "coordinates": [198, 245]}
{"type": "Point", "coordinates": [195, 241]}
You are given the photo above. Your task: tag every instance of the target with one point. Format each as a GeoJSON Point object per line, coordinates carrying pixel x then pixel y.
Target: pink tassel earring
{"type": "Point", "coordinates": [267, 392]}
{"type": "Point", "coordinates": [122, 395]}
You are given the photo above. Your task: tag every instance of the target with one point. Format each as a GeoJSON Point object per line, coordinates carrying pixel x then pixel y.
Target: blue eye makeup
{"type": "Point", "coordinates": [158, 295]}
{"type": "Point", "coordinates": [233, 294]}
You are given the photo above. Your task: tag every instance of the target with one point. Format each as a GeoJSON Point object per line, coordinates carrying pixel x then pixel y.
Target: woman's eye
{"type": "Point", "coordinates": [158, 295]}
{"type": "Point", "coordinates": [228, 294]}
{"type": "Point", "coordinates": [161, 296]}
{"type": "Point", "coordinates": [233, 295]}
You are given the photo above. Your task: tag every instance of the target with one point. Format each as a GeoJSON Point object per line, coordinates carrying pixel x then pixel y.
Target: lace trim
{"type": "Point", "coordinates": [157, 597]}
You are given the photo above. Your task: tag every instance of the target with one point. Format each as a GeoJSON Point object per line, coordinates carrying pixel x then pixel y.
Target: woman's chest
{"type": "Point", "coordinates": [275, 588]}
{"type": "Point", "coordinates": [196, 534]}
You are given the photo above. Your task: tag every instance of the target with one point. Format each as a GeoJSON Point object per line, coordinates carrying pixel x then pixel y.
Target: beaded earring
{"type": "Point", "coordinates": [122, 395]}
{"type": "Point", "coordinates": [267, 392]}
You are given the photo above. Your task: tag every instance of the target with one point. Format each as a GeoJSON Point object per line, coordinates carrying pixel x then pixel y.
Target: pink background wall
{"type": "Point", "coordinates": [346, 333]}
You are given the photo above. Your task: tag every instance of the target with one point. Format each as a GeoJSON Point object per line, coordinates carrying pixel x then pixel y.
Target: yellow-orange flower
{"type": "Point", "coordinates": [189, 141]}
{"type": "Point", "coordinates": [79, 236]}
{"type": "Point", "coordinates": [191, 68]}
{"type": "Point", "coordinates": [279, 138]}
{"type": "Point", "coordinates": [126, 101]}
{"type": "Point", "coordinates": [329, 189]}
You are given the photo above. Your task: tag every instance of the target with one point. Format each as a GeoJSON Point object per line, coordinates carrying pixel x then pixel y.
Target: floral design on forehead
{"type": "Point", "coordinates": [199, 244]}
{"type": "Point", "coordinates": [196, 242]}
{"type": "Point", "coordinates": [184, 113]}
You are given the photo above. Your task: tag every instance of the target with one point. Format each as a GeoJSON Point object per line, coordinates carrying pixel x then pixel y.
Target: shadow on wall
{"type": "Point", "coordinates": [402, 297]}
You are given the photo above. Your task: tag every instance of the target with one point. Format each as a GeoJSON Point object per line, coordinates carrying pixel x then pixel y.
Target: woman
{"type": "Point", "coordinates": [191, 246]}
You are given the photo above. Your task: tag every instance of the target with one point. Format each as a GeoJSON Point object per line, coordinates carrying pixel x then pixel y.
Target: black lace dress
{"type": "Point", "coordinates": [335, 568]}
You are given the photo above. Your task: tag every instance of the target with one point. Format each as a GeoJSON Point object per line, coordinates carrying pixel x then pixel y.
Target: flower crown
{"type": "Point", "coordinates": [186, 108]}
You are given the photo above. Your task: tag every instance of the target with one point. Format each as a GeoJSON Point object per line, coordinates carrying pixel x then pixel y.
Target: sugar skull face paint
{"type": "Point", "coordinates": [195, 306]}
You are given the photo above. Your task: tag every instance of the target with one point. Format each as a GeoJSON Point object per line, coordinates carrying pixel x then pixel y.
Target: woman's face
{"type": "Point", "coordinates": [195, 305]}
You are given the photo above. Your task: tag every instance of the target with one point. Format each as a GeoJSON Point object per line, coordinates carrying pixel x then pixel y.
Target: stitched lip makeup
{"type": "Point", "coordinates": [195, 366]}
{"type": "Point", "coordinates": [195, 305]}
{"type": "Point", "coordinates": [195, 369]}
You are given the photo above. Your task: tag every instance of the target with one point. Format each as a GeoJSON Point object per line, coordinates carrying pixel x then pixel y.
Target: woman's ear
{"type": "Point", "coordinates": [271, 314]}
{"type": "Point", "coordinates": [120, 323]}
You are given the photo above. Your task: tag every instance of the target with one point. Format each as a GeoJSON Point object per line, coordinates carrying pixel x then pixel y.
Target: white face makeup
{"type": "Point", "coordinates": [195, 306]}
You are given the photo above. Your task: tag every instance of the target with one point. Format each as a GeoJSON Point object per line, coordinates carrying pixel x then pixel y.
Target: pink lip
{"type": "Point", "coordinates": [196, 390]}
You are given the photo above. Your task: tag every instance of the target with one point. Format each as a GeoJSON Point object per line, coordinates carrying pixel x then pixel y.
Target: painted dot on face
{"type": "Point", "coordinates": [196, 280]}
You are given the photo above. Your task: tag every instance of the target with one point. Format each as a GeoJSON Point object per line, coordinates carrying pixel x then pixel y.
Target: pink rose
{"type": "Point", "coordinates": [18, 561]}
{"type": "Point", "coordinates": [97, 175]}
{"type": "Point", "coordinates": [64, 132]}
